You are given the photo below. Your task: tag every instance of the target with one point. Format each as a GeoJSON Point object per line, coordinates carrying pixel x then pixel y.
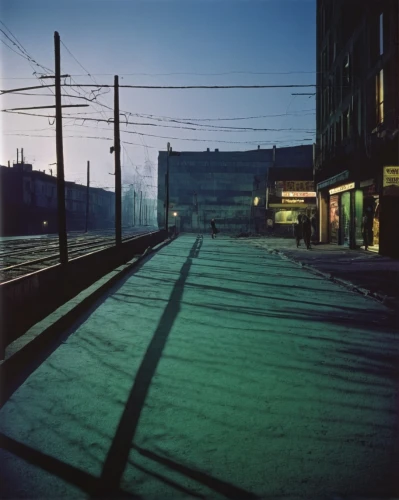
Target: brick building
{"type": "Point", "coordinates": [357, 110]}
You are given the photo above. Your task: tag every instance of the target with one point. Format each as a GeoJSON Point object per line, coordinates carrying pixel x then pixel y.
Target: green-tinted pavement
{"type": "Point", "coordinates": [215, 370]}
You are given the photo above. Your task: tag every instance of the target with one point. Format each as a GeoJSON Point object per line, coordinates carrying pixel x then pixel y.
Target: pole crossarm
{"type": "Point", "coordinates": [9, 91]}
{"type": "Point", "coordinates": [53, 76]}
{"type": "Point", "coordinates": [47, 107]}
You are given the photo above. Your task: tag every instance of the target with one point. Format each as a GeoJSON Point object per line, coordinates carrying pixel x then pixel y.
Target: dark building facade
{"type": "Point", "coordinates": [220, 185]}
{"type": "Point", "coordinates": [28, 203]}
{"type": "Point", "coordinates": [357, 122]}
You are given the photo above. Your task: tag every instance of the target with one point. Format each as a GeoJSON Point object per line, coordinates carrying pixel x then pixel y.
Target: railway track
{"type": "Point", "coordinates": [19, 257]}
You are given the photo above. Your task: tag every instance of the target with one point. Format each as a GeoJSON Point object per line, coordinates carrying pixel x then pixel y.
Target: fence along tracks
{"type": "Point", "coordinates": [19, 257]}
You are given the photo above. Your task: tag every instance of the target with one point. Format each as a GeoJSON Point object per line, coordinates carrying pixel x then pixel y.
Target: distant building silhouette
{"type": "Point", "coordinates": [28, 203]}
{"type": "Point", "coordinates": [219, 185]}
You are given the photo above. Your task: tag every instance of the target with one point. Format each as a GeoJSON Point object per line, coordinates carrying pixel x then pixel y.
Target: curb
{"type": "Point", "coordinates": [383, 299]}
{"type": "Point", "coordinates": [37, 341]}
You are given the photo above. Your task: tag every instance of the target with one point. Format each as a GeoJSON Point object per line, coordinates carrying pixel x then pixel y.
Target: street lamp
{"type": "Point", "coordinates": [175, 215]}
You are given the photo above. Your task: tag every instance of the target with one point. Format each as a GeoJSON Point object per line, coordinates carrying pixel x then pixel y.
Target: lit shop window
{"type": "Point", "coordinates": [379, 91]}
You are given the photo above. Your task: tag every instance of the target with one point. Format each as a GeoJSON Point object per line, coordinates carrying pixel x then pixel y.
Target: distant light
{"type": "Point", "coordinates": [256, 201]}
{"type": "Point", "coordinates": [175, 213]}
{"type": "Point", "coordinates": [45, 223]}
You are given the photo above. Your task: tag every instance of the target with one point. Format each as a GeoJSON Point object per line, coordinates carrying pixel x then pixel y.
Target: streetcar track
{"type": "Point", "coordinates": [17, 258]}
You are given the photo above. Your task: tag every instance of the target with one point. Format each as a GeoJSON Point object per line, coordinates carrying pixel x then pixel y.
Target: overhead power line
{"type": "Point", "coordinates": [222, 129]}
{"type": "Point", "coordinates": [298, 113]}
{"type": "Point", "coordinates": [184, 87]}
{"type": "Point", "coordinates": [252, 143]}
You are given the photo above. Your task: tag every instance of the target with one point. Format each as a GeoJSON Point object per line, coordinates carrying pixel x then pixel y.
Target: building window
{"type": "Point", "coordinates": [381, 34]}
{"type": "Point", "coordinates": [379, 91]}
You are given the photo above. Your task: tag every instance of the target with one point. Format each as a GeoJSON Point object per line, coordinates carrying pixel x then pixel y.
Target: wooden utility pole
{"type": "Point", "coordinates": [134, 207]}
{"type": "Point", "coordinates": [62, 234]}
{"type": "Point", "coordinates": [118, 176]}
{"type": "Point", "coordinates": [167, 188]}
{"type": "Point", "coordinates": [140, 214]}
{"type": "Point", "coordinates": [87, 196]}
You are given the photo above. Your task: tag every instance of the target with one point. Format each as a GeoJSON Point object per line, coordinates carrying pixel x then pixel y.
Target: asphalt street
{"type": "Point", "coordinates": [214, 370]}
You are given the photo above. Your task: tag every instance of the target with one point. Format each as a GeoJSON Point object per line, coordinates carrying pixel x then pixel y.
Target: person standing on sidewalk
{"type": "Point", "coordinates": [213, 228]}
{"type": "Point", "coordinates": [306, 230]}
{"type": "Point", "coordinates": [366, 230]}
{"type": "Point", "coordinates": [298, 231]}
{"type": "Point", "coordinates": [313, 222]}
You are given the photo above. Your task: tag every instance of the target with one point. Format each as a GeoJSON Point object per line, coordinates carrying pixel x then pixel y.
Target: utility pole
{"type": "Point", "coordinates": [118, 176]}
{"type": "Point", "coordinates": [17, 155]}
{"type": "Point", "coordinates": [167, 189]}
{"type": "Point", "coordinates": [62, 234]}
{"type": "Point", "coordinates": [134, 207]}
{"type": "Point", "coordinates": [87, 196]}
{"type": "Point", "coordinates": [140, 215]}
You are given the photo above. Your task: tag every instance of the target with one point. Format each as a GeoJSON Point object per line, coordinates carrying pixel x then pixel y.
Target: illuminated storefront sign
{"type": "Point", "coordinates": [299, 194]}
{"type": "Point", "coordinates": [289, 200]}
{"type": "Point", "coordinates": [340, 189]}
{"type": "Point", "coordinates": [390, 181]}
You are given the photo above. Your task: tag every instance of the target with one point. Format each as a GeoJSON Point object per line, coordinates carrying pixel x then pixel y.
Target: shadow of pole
{"type": "Point", "coordinates": [118, 454]}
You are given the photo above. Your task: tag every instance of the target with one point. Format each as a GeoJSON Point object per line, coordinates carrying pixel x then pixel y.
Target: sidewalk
{"type": "Point", "coordinates": [367, 272]}
{"type": "Point", "coordinates": [213, 370]}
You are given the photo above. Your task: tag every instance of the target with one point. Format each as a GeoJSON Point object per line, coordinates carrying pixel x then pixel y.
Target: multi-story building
{"type": "Point", "coordinates": [220, 185]}
{"type": "Point", "coordinates": [357, 122]}
{"type": "Point", "coordinates": [28, 203]}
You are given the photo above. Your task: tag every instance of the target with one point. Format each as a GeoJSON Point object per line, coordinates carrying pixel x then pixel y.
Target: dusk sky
{"type": "Point", "coordinates": [173, 43]}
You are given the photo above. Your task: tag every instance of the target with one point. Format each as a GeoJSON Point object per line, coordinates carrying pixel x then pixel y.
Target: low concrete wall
{"type": "Point", "coordinates": [27, 300]}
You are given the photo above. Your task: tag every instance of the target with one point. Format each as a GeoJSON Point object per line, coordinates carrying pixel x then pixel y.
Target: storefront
{"type": "Point", "coordinates": [288, 199]}
{"type": "Point", "coordinates": [342, 216]}
{"type": "Point", "coordinates": [371, 208]}
{"type": "Point", "coordinates": [340, 207]}
{"type": "Point", "coordinates": [387, 211]}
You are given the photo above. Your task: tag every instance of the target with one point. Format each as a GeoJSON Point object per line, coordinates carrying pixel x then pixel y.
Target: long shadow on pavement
{"type": "Point", "coordinates": [118, 454]}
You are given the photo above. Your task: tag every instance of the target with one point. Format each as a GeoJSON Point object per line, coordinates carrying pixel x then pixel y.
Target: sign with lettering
{"type": "Point", "coordinates": [299, 194]}
{"type": "Point", "coordinates": [340, 189]}
{"type": "Point", "coordinates": [295, 185]}
{"type": "Point", "coordinates": [293, 200]}
{"type": "Point", "coordinates": [390, 182]}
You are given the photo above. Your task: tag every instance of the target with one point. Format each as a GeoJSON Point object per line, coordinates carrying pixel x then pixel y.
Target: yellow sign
{"type": "Point", "coordinates": [340, 189]}
{"type": "Point", "coordinates": [293, 200]}
{"type": "Point", "coordinates": [390, 182]}
{"type": "Point", "coordinates": [391, 176]}
{"type": "Point", "coordinates": [299, 194]}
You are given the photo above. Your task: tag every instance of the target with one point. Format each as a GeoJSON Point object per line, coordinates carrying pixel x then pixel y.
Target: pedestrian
{"type": "Point", "coordinates": [306, 230]}
{"type": "Point", "coordinates": [366, 230]}
{"type": "Point", "coordinates": [298, 231]}
{"type": "Point", "coordinates": [313, 222]}
{"type": "Point", "coordinates": [213, 228]}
